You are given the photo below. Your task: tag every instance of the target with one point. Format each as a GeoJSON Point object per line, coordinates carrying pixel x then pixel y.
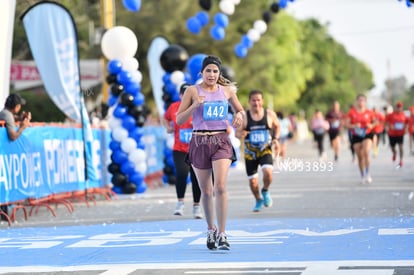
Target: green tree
{"type": "Point", "coordinates": [297, 64]}
{"type": "Point", "coordinates": [337, 75]}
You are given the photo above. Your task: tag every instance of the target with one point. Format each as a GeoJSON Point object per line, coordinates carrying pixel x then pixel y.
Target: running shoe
{"type": "Point", "coordinates": [368, 178]}
{"type": "Point", "coordinates": [212, 238]}
{"type": "Point", "coordinates": [400, 164]}
{"type": "Point", "coordinates": [222, 242]}
{"type": "Point", "coordinates": [179, 209]}
{"type": "Point", "coordinates": [258, 206]}
{"type": "Point", "coordinates": [197, 212]}
{"type": "Point", "coordinates": [267, 200]}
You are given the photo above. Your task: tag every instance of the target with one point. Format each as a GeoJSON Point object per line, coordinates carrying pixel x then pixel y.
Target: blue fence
{"type": "Point", "coordinates": [47, 160]}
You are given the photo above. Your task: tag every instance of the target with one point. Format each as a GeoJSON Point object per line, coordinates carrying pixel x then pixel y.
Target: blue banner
{"type": "Point", "coordinates": [49, 160]}
{"type": "Point", "coordinates": [52, 37]}
{"type": "Point", "coordinates": [53, 42]}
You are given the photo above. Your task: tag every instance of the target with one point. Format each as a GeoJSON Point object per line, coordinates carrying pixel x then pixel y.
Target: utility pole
{"type": "Point", "coordinates": [389, 83]}
{"type": "Point", "coordinates": [107, 8]}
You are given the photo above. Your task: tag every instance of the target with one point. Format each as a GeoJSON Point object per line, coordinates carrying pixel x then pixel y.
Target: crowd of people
{"type": "Point", "coordinates": [203, 151]}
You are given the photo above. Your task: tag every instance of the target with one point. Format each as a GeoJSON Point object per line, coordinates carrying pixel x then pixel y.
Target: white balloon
{"type": "Point", "coordinates": [119, 134]}
{"type": "Point", "coordinates": [128, 145]}
{"type": "Point", "coordinates": [137, 155]}
{"type": "Point", "coordinates": [114, 122]}
{"type": "Point", "coordinates": [130, 64]}
{"type": "Point", "coordinates": [177, 77]}
{"type": "Point", "coordinates": [227, 6]}
{"type": "Point", "coordinates": [170, 141]}
{"type": "Point", "coordinates": [253, 35]}
{"type": "Point", "coordinates": [119, 43]}
{"type": "Point", "coordinates": [141, 167]}
{"type": "Point", "coordinates": [136, 76]}
{"type": "Point", "coordinates": [260, 26]}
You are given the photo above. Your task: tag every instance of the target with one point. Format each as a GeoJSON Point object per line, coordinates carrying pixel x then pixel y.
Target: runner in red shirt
{"type": "Point", "coordinates": [361, 121]}
{"type": "Point", "coordinates": [335, 117]}
{"type": "Point", "coordinates": [396, 124]}
{"type": "Point", "coordinates": [378, 130]}
{"type": "Point", "coordinates": [411, 128]}
{"type": "Point", "coordinates": [182, 136]}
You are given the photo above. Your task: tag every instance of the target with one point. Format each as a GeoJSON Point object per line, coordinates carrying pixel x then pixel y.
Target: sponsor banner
{"type": "Point", "coordinates": [48, 160]}
{"type": "Point", "coordinates": [53, 41]}
{"type": "Point", "coordinates": [25, 75]}
{"type": "Point", "coordinates": [157, 47]}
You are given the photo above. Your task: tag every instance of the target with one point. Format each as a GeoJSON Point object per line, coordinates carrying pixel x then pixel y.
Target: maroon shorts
{"type": "Point", "coordinates": [204, 149]}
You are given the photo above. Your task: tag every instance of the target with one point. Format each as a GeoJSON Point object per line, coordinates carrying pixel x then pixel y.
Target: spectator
{"type": "Point", "coordinates": [9, 114]}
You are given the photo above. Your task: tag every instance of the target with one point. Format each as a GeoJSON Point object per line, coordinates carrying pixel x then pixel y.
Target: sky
{"type": "Point", "coordinates": [379, 33]}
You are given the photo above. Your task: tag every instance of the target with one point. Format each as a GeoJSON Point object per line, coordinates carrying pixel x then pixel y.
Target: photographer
{"type": "Point", "coordinates": [9, 114]}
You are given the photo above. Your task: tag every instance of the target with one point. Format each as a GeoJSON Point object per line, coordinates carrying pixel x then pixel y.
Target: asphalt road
{"type": "Point", "coordinates": [312, 199]}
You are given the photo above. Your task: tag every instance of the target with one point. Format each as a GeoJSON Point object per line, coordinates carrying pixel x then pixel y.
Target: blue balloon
{"type": "Point", "coordinates": [132, 5]}
{"type": "Point", "coordinates": [127, 168]}
{"type": "Point", "coordinates": [133, 88]}
{"type": "Point", "coordinates": [193, 25]}
{"type": "Point", "coordinates": [167, 152]}
{"type": "Point", "coordinates": [120, 111]}
{"type": "Point", "coordinates": [124, 77]}
{"type": "Point", "coordinates": [240, 51]}
{"type": "Point", "coordinates": [175, 97]}
{"type": "Point", "coordinates": [203, 18]}
{"type": "Point", "coordinates": [136, 133]}
{"type": "Point", "coordinates": [170, 88]}
{"type": "Point", "coordinates": [119, 157]}
{"type": "Point", "coordinates": [128, 122]}
{"type": "Point", "coordinates": [139, 99]}
{"type": "Point", "coordinates": [217, 32]}
{"type": "Point", "coordinates": [169, 160]}
{"type": "Point", "coordinates": [221, 20]}
{"type": "Point", "coordinates": [141, 188]}
{"type": "Point", "coordinates": [194, 64]}
{"type": "Point", "coordinates": [117, 189]}
{"type": "Point", "coordinates": [114, 66]}
{"type": "Point", "coordinates": [166, 78]}
{"type": "Point", "coordinates": [245, 41]}
{"type": "Point", "coordinates": [187, 77]}
{"type": "Point", "coordinates": [112, 100]}
{"type": "Point", "coordinates": [114, 145]}
{"type": "Point", "coordinates": [141, 145]}
{"type": "Point", "coordinates": [283, 4]}
{"type": "Point", "coordinates": [137, 178]}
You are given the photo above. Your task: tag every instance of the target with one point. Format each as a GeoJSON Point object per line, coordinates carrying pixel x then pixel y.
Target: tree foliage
{"type": "Point", "coordinates": [297, 64]}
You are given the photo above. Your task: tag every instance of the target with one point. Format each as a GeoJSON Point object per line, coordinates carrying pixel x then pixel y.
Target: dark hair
{"type": "Point", "coordinates": [13, 100]}
{"type": "Point", "coordinates": [280, 115]}
{"type": "Point", "coordinates": [210, 59]}
{"type": "Point", "coordinates": [183, 87]}
{"type": "Point", "coordinates": [255, 92]}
